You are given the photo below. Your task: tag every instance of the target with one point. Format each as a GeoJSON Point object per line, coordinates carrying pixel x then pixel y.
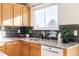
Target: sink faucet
{"type": "Point", "coordinates": [43, 35]}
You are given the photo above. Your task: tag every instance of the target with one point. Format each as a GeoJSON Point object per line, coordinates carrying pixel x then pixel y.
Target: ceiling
{"type": "Point", "coordinates": [30, 4]}
{"type": "Point", "coordinates": [33, 4]}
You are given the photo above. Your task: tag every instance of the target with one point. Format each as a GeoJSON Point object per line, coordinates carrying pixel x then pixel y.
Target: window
{"type": "Point", "coordinates": [52, 17]}
{"type": "Point", "coordinates": [39, 18]}
{"type": "Point", "coordinates": [46, 17]}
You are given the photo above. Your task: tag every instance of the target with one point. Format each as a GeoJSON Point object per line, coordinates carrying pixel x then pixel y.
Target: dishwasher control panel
{"type": "Point", "coordinates": [51, 51]}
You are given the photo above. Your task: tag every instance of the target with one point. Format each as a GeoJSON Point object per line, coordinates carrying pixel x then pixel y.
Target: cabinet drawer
{"type": "Point", "coordinates": [8, 43]}
{"type": "Point", "coordinates": [35, 45]}
{"type": "Point", "coordinates": [13, 43]}
{"type": "Point", "coordinates": [25, 43]}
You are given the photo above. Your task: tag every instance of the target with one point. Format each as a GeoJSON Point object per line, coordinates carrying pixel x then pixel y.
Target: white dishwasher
{"type": "Point", "coordinates": [51, 51]}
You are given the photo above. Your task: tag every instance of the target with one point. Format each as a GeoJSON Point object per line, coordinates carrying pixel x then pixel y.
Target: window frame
{"type": "Point", "coordinates": [37, 8]}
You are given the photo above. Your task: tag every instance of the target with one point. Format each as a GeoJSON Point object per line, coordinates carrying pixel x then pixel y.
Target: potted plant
{"type": "Point", "coordinates": [66, 35]}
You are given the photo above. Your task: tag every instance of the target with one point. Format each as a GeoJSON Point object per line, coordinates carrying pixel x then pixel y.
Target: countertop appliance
{"type": "Point", "coordinates": [48, 35]}
{"type": "Point", "coordinates": [51, 51]}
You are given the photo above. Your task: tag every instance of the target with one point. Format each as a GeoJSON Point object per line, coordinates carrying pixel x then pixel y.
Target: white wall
{"type": "Point", "coordinates": [68, 13]}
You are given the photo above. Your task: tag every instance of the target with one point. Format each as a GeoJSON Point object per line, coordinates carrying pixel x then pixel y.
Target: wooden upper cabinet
{"type": "Point", "coordinates": [0, 14]}
{"type": "Point", "coordinates": [26, 16]}
{"type": "Point", "coordinates": [14, 15]}
{"type": "Point", "coordinates": [17, 15]}
{"type": "Point", "coordinates": [7, 14]}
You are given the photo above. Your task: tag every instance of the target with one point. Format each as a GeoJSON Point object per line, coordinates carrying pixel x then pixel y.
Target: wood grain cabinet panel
{"type": "Point", "coordinates": [14, 15]}
{"type": "Point", "coordinates": [7, 14]}
{"type": "Point", "coordinates": [73, 51]}
{"type": "Point", "coordinates": [26, 16]}
{"type": "Point", "coordinates": [2, 47]}
{"type": "Point", "coordinates": [35, 52]}
{"type": "Point", "coordinates": [35, 49]}
{"type": "Point", "coordinates": [21, 48]}
{"type": "Point", "coordinates": [25, 49]}
{"type": "Point", "coordinates": [35, 45]}
{"type": "Point", "coordinates": [13, 49]}
{"type": "Point", "coordinates": [0, 14]}
{"type": "Point", "coordinates": [17, 15]}
{"type": "Point", "coordinates": [78, 50]}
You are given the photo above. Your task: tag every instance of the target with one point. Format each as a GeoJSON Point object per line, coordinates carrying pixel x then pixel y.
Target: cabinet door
{"type": "Point", "coordinates": [2, 47]}
{"type": "Point", "coordinates": [25, 51]}
{"type": "Point", "coordinates": [17, 15]}
{"type": "Point", "coordinates": [26, 16]}
{"type": "Point", "coordinates": [13, 49]}
{"type": "Point", "coordinates": [0, 14]}
{"type": "Point", "coordinates": [78, 50]}
{"type": "Point", "coordinates": [25, 48]}
{"type": "Point", "coordinates": [17, 45]}
{"type": "Point", "coordinates": [35, 52]}
{"type": "Point", "coordinates": [10, 50]}
{"type": "Point", "coordinates": [35, 49]}
{"type": "Point", "coordinates": [72, 51]}
{"type": "Point", "coordinates": [7, 15]}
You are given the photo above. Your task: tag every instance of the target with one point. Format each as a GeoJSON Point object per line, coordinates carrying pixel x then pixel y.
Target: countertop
{"type": "Point", "coordinates": [51, 43]}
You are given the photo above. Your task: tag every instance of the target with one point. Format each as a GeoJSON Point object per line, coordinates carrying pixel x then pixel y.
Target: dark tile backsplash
{"type": "Point", "coordinates": [36, 33]}
{"type": "Point", "coordinates": [12, 31]}
{"type": "Point", "coordinates": [72, 27]}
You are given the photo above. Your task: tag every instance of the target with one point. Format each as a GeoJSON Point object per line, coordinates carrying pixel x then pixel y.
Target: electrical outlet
{"type": "Point", "coordinates": [75, 33]}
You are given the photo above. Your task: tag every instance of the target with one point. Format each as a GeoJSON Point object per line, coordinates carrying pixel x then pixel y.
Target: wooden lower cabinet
{"type": "Point", "coordinates": [2, 47]}
{"type": "Point", "coordinates": [35, 52]}
{"type": "Point", "coordinates": [35, 49]}
{"type": "Point", "coordinates": [13, 48]}
{"type": "Point", "coordinates": [73, 51]}
{"type": "Point", "coordinates": [78, 50]}
{"type": "Point", "coordinates": [30, 49]}
{"type": "Point", "coordinates": [25, 49]}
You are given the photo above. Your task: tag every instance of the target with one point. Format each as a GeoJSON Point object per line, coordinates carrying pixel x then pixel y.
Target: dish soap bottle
{"type": "Point", "coordinates": [59, 38]}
